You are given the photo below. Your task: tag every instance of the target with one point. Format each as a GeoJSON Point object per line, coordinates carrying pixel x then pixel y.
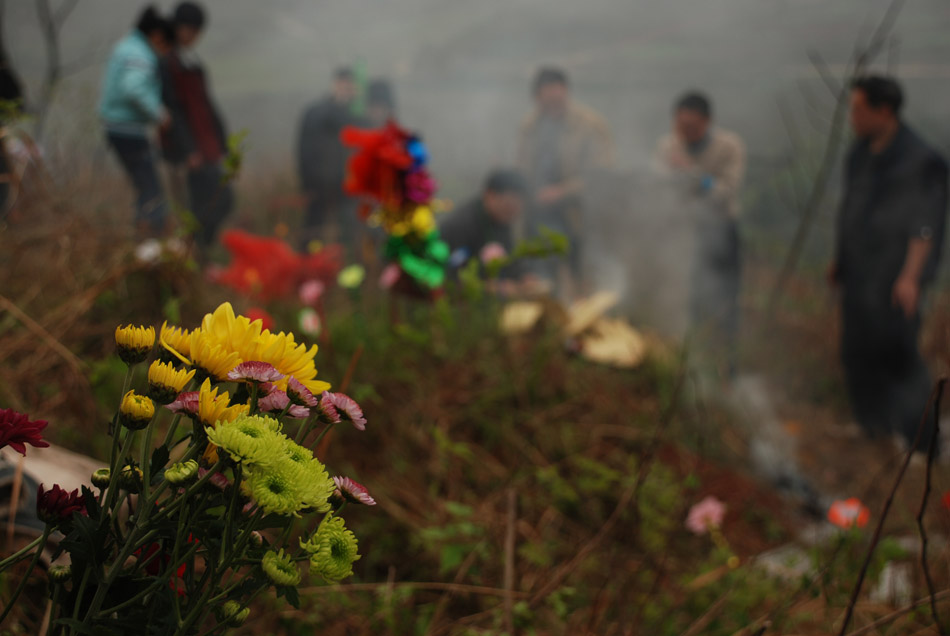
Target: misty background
{"type": "Point", "coordinates": [462, 72]}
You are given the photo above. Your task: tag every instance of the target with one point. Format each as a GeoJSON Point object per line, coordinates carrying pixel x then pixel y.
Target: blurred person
{"type": "Point", "coordinates": [380, 103]}
{"type": "Point", "coordinates": [321, 163]}
{"type": "Point", "coordinates": [561, 143]}
{"type": "Point", "coordinates": [483, 227]}
{"type": "Point", "coordinates": [890, 229]}
{"type": "Point", "coordinates": [11, 94]}
{"type": "Point", "coordinates": [196, 142]}
{"type": "Point", "coordinates": [706, 165]}
{"type": "Point", "coordinates": [130, 103]}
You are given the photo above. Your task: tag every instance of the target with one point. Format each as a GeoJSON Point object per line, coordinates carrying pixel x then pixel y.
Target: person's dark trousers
{"type": "Point", "coordinates": [715, 286]}
{"type": "Point", "coordinates": [331, 217]}
{"type": "Point", "coordinates": [135, 155]}
{"type": "Point", "coordinates": [210, 200]}
{"type": "Point", "coordinates": [888, 381]}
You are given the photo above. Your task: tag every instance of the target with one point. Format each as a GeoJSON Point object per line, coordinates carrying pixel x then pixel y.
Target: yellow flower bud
{"type": "Point", "coordinates": [136, 411]}
{"type": "Point", "coordinates": [134, 343]}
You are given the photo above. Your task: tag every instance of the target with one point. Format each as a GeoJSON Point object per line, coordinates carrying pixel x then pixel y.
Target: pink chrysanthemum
{"type": "Point", "coordinates": [706, 515]}
{"type": "Point", "coordinates": [299, 394]}
{"type": "Point", "coordinates": [16, 431]}
{"type": "Point", "coordinates": [255, 371]}
{"type": "Point", "coordinates": [353, 491]}
{"type": "Point", "coordinates": [186, 403]}
{"type": "Point", "coordinates": [277, 401]}
{"type": "Point", "coordinates": [218, 480]}
{"type": "Point", "coordinates": [347, 408]}
{"type": "Point", "coordinates": [327, 412]}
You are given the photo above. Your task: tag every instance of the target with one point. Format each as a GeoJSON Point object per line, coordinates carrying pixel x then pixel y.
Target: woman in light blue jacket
{"type": "Point", "coordinates": [130, 104]}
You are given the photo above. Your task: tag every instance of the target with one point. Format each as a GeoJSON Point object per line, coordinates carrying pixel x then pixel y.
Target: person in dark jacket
{"type": "Point", "coordinates": [321, 164]}
{"type": "Point", "coordinates": [380, 103]}
{"type": "Point", "coordinates": [889, 231]}
{"type": "Point", "coordinates": [483, 227]}
{"type": "Point", "coordinates": [196, 142]}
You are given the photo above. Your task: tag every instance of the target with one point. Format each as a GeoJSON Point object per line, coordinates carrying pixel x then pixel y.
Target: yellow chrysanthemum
{"type": "Point", "coordinates": [165, 382]}
{"type": "Point", "coordinates": [235, 339]}
{"type": "Point", "coordinates": [176, 341]}
{"type": "Point", "coordinates": [136, 411]}
{"type": "Point", "coordinates": [211, 357]}
{"type": "Point", "coordinates": [134, 343]}
{"type": "Point", "coordinates": [214, 407]}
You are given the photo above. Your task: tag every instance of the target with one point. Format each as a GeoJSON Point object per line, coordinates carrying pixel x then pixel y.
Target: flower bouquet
{"type": "Point", "coordinates": [389, 168]}
{"type": "Point", "coordinates": [212, 495]}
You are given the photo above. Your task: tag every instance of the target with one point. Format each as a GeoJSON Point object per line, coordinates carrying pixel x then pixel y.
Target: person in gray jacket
{"type": "Point", "coordinates": [890, 228]}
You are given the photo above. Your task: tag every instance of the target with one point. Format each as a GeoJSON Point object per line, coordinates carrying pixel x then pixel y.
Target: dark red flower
{"type": "Point", "coordinates": [945, 500]}
{"type": "Point", "coordinates": [154, 566]}
{"type": "Point", "coordinates": [56, 506]}
{"type": "Point", "coordinates": [16, 430]}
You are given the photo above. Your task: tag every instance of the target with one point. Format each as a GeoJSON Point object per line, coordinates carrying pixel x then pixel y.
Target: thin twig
{"type": "Point", "coordinates": [821, 67]}
{"type": "Point", "coordinates": [883, 516]}
{"type": "Point", "coordinates": [931, 452]}
{"type": "Point", "coordinates": [907, 609]}
{"type": "Point", "coordinates": [509, 581]}
{"type": "Point", "coordinates": [44, 335]}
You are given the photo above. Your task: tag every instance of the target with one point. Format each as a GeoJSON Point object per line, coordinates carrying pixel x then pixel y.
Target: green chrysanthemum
{"type": "Point", "coordinates": [280, 568]}
{"type": "Point", "coordinates": [249, 439]}
{"type": "Point", "coordinates": [277, 489]}
{"type": "Point", "coordinates": [333, 550]}
{"type": "Point", "coordinates": [315, 483]}
{"type": "Point", "coordinates": [182, 472]}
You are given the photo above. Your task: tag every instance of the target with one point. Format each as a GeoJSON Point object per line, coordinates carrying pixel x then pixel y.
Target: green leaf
{"type": "Point", "coordinates": [159, 459]}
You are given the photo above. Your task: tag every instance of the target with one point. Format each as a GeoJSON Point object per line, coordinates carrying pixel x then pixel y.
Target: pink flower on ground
{"type": "Point", "coordinates": [276, 401]}
{"type": "Point", "coordinates": [390, 276]}
{"type": "Point", "coordinates": [16, 431]}
{"type": "Point", "coordinates": [299, 394]}
{"type": "Point", "coordinates": [353, 491]}
{"type": "Point", "coordinates": [186, 403]}
{"type": "Point", "coordinates": [256, 313]}
{"type": "Point", "coordinates": [705, 515]}
{"type": "Point", "coordinates": [492, 252]}
{"type": "Point", "coordinates": [311, 291]}
{"type": "Point", "coordinates": [255, 372]}
{"type": "Point", "coordinates": [310, 322]}
{"type": "Point", "coordinates": [347, 407]}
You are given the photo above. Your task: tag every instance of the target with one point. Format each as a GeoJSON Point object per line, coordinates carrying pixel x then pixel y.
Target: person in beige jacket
{"type": "Point", "coordinates": [561, 143]}
{"type": "Point", "coordinates": [706, 166]}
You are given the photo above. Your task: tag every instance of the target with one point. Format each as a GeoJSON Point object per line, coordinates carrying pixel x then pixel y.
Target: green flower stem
{"type": "Point", "coordinates": [156, 585]}
{"type": "Point", "coordinates": [326, 429]}
{"type": "Point", "coordinates": [255, 390]}
{"type": "Point", "coordinates": [229, 517]}
{"type": "Point", "coordinates": [81, 592]}
{"type": "Point", "coordinates": [19, 555]}
{"type": "Point", "coordinates": [147, 459]}
{"type": "Point", "coordinates": [172, 429]}
{"type": "Point", "coordinates": [190, 491]}
{"type": "Point", "coordinates": [114, 474]}
{"type": "Point", "coordinates": [131, 542]}
{"type": "Point", "coordinates": [306, 427]}
{"type": "Point", "coordinates": [54, 603]}
{"type": "Point", "coordinates": [11, 602]}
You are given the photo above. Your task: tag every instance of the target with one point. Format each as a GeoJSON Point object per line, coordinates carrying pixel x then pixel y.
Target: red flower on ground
{"type": "Point", "coordinates": [849, 513]}
{"type": "Point", "coordinates": [17, 430]}
{"type": "Point", "coordinates": [56, 506]}
{"type": "Point", "coordinates": [268, 268]}
{"type": "Point", "coordinates": [256, 313]}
